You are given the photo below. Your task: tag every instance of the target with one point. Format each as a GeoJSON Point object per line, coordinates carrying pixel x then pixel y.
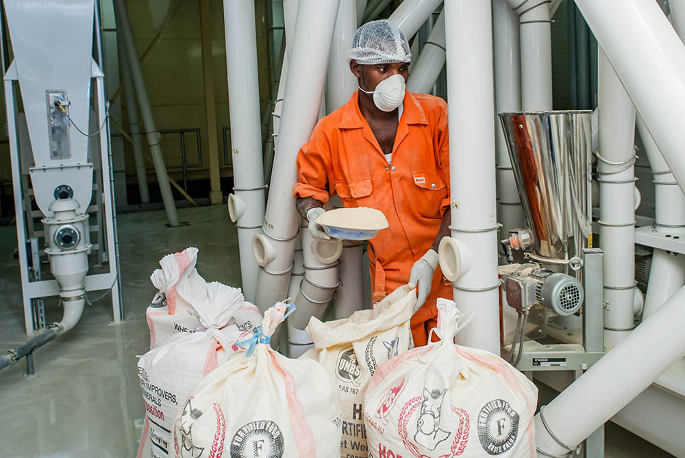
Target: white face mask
{"type": "Point", "coordinates": [389, 93]}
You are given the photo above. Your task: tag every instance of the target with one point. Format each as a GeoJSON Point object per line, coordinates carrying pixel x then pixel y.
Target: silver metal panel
{"type": "Point", "coordinates": [649, 236]}
{"type": "Point", "coordinates": [551, 156]}
{"type": "Point", "coordinates": [52, 42]}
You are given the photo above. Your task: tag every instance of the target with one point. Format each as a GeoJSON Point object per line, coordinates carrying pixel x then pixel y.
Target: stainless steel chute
{"type": "Point", "coordinates": [551, 155]}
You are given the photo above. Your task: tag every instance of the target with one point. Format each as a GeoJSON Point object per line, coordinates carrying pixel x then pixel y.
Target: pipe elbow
{"type": "Point", "coordinates": [327, 251]}
{"type": "Point", "coordinates": [73, 309]}
{"type": "Point", "coordinates": [263, 251]}
{"type": "Point", "coordinates": [455, 258]}
{"type": "Point", "coordinates": [236, 207]}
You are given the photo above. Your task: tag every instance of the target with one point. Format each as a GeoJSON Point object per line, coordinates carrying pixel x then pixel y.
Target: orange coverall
{"type": "Point", "coordinates": [343, 157]}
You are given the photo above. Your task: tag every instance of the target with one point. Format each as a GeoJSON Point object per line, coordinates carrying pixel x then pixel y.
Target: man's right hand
{"type": "Point", "coordinates": [315, 229]}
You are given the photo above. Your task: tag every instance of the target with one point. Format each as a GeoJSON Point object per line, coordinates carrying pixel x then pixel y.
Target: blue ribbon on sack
{"type": "Point", "coordinates": [259, 337]}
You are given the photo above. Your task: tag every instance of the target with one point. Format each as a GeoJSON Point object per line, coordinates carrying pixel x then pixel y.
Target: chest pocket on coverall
{"type": "Point", "coordinates": [429, 190]}
{"type": "Point", "coordinates": [350, 191]}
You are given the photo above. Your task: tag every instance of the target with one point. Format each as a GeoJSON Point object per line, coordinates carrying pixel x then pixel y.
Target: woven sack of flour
{"type": "Point", "coordinates": [444, 400]}
{"type": "Point", "coordinates": [168, 314]}
{"type": "Point", "coordinates": [168, 373]}
{"type": "Point", "coordinates": [179, 283]}
{"type": "Point", "coordinates": [351, 349]}
{"type": "Point", "coordinates": [261, 404]}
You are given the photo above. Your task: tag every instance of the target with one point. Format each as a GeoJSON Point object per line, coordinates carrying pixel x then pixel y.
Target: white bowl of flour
{"type": "Point", "coordinates": [358, 223]}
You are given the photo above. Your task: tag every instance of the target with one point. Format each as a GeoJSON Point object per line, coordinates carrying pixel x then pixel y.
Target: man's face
{"type": "Point", "coordinates": [369, 76]}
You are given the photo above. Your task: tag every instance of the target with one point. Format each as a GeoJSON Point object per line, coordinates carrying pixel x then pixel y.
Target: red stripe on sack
{"type": "Point", "coordinates": [143, 437]}
{"type": "Point", "coordinates": [171, 300]}
{"type": "Point", "coordinates": [304, 438]}
{"type": "Point", "coordinates": [220, 435]}
{"type": "Point", "coordinates": [153, 336]}
{"type": "Point", "coordinates": [387, 367]}
{"type": "Point", "coordinates": [254, 308]}
{"type": "Point", "coordinates": [211, 362]}
{"type": "Point", "coordinates": [183, 260]}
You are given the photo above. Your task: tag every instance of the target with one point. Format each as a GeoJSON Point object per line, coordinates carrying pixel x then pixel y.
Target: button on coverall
{"type": "Point", "coordinates": [343, 157]}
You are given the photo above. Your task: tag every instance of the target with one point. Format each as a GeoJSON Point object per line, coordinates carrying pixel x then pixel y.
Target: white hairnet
{"type": "Point", "coordinates": [379, 42]}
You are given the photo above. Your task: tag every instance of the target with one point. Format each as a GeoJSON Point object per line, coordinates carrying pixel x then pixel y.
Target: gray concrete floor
{"type": "Point", "coordinates": [84, 401]}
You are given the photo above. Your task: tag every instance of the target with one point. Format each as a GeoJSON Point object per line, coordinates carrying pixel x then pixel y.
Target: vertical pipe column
{"type": "Point", "coordinates": [616, 156]}
{"type": "Point", "coordinates": [536, 53]}
{"type": "Point", "coordinates": [340, 82]}
{"type": "Point", "coordinates": [303, 94]}
{"type": "Point", "coordinates": [124, 28]}
{"type": "Point", "coordinates": [507, 98]}
{"type": "Point", "coordinates": [468, 32]}
{"type": "Point", "coordinates": [614, 381]}
{"type": "Point", "coordinates": [430, 63]}
{"type": "Point", "coordinates": [133, 121]}
{"type": "Point", "coordinates": [649, 58]}
{"type": "Point", "coordinates": [215, 196]}
{"type": "Point", "coordinates": [667, 272]}
{"type": "Point", "coordinates": [246, 205]}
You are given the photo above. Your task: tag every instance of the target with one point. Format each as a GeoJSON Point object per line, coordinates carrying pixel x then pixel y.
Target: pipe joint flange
{"type": "Point", "coordinates": [319, 286]}
{"type": "Point", "coordinates": [259, 188]}
{"type": "Point", "coordinates": [478, 290]}
{"type": "Point", "coordinates": [537, 21]}
{"type": "Point", "coordinates": [12, 357]}
{"type": "Point", "coordinates": [326, 267]}
{"type": "Point", "coordinates": [604, 223]}
{"type": "Point", "coordinates": [571, 450]}
{"type": "Point", "coordinates": [324, 302]}
{"type": "Point", "coordinates": [530, 8]}
{"type": "Point", "coordinates": [477, 230]}
{"type": "Point", "coordinates": [258, 226]}
{"type": "Point", "coordinates": [602, 180]}
{"type": "Point", "coordinates": [288, 270]}
{"type": "Point", "coordinates": [437, 45]}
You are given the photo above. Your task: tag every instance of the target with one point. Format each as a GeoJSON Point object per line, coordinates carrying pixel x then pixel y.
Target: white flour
{"type": "Point", "coordinates": [359, 218]}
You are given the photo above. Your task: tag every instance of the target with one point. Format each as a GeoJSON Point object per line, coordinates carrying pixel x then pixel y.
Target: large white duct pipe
{"type": "Point", "coordinates": [429, 64]}
{"type": "Point", "coordinates": [536, 53]}
{"type": "Point", "coordinates": [649, 58]}
{"type": "Point", "coordinates": [361, 6]}
{"type": "Point", "coordinates": [246, 204]}
{"type": "Point", "coordinates": [153, 136]}
{"type": "Point", "coordinates": [614, 381]}
{"type": "Point", "coordinates": [616, 155]}
{"type": "Point", "coordinates": [507, 99]}
{"type": "Point", "coordinates": [667, 272]}
{"type": "Point", "coordinates": [340, 81]}
{"type": "Point", "coordinates": [411, 14]}
{"type": "Point", "coordinates": [274, 249]}
{"type": "Point", "coordinates": [468, 32]}
{"type": "Point", "coordinates": [133, 121]}
{"type": "Point", "coordinates": [350, 295]}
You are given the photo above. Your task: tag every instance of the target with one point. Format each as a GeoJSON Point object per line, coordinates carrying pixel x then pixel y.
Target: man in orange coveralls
{"type": "Point", "coordinates": [386, 149]}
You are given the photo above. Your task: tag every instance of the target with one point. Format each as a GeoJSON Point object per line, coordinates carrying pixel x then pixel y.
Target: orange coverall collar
{"type": "Point", "coordinates": [352, 118]}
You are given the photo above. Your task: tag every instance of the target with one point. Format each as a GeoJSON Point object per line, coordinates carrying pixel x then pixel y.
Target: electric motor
{"type": "Point", "coordinates": [558, 292]}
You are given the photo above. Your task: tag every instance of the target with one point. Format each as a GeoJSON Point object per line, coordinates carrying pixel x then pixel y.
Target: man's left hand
{"type": "Point", "coordinates": [422, 276]}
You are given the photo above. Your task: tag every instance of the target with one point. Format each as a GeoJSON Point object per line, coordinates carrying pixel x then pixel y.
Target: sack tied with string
{"type": "Point", "coordinates": [261, 404]}
{"type": "Point", "coordinates": [445, 400]}
{"type": "Point", "coordinates": [351, 349]}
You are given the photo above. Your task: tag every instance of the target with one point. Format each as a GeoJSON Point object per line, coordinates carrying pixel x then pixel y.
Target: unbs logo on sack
{"type": "Point", "coordinates": [347, 368]}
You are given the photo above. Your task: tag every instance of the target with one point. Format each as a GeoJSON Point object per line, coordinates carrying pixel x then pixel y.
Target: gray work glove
{"type": "Point", "coordinates": [316, 230]}
{"type": "Point", "coordinates": [422, 276]}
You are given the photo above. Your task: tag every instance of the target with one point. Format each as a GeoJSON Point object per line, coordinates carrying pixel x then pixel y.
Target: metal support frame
{"type": "Point", "coordinates": [184, 163]}
{"type": "Point", "coordinates": [35, 289]}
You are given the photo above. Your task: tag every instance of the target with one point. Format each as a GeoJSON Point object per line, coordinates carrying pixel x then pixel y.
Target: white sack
{"type": "Point", "coordinates": [176, 267]}
{"type": "Point", "coordinates": [444, 400]}
{"type": "Point", "coordinates": [168, 373]}
{"type": "Point", "coordinates": [350, 349]}
{"type": "Point", "coordinates": [261, 404]}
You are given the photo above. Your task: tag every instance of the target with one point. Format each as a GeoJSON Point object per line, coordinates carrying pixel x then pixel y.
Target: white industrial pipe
{"type": "Point", "coordinates": [361, 7]}
{"type": "Point", "coordinates": [246, 204]}
{"type": "Point", "coordinates": [133, 121]}
{"type": "Point", "coordinates": [616, 155]}
{"type": "Point", "coordinates": [316, 290]}
{"type": "Point", "coordinates": [468, 32]}
{"type": "Point", "coordinates": [350, 295]}
{"type": "Point", "coordinates": [426, 70]}
{"type": "Point", "coordinates": [614, 381]}
{"type": "Point", "coordinates": [536, 53]}
{"type": "Point", "coordinates": [340, 81]}
{"type": "Point", "coordinates": [649, 58]}
{"type": "Point", "coordinates": [301, 106]}
{"type": "Point", "coordinates": [153, 136]}
{"type": "Point", "coordinates": [507, 99]}
{"type": "Point", "coordinates": [411, 14]}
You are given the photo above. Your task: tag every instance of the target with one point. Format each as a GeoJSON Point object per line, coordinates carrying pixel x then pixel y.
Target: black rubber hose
{"type": "Point", "coordinates": [14, 355]}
